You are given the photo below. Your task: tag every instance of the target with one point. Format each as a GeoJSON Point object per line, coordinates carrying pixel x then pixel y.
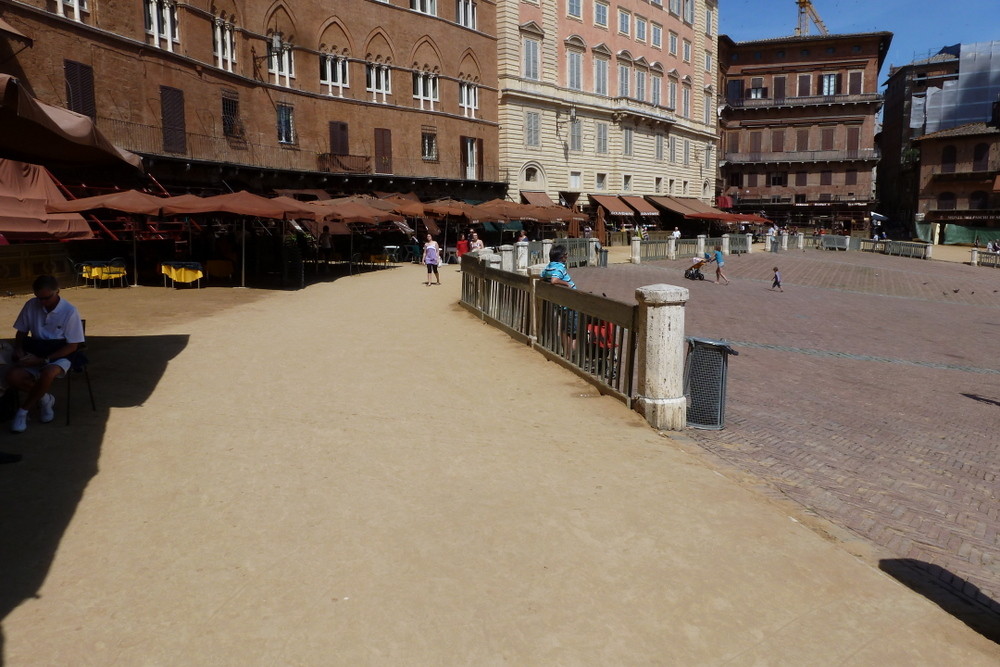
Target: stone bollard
{"type": "Point", "coordinates": [725, 244]}
{"type": "Point", "coordinates": [784, 241]}
{"type": "Point", "coordinates": [546, 249]}
{"type": "Point", "coordinates": [660, 357]}
{"type": "Point", "coordinates": [975, 257]}
{"type": "Point", "coordinates": [507, 258]}
{"type": "Point", "coordinates": [521, 257]}
{"type": "Point", "coordinates": [672, 248]}
{"type": "Point", "coordinates": [701, 245]}
{"type": "Point", "coordinates": [591, 252]}
{"type": "Point", "coordinates": [800, 241]}
{"type": "Point", "coordinates": [749, 243]}
{"type": "Point", "coordinates": [636, 250]}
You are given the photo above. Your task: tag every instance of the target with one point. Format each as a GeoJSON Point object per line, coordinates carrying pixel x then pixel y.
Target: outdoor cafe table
{"type": "Point", "coordinates": [181, 272]}
{"type": "Point", "coordinates": [101, 270]}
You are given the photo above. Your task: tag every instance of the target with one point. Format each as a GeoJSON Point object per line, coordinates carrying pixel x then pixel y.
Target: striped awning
{"type": "Point", "coordinates": [613, 205]}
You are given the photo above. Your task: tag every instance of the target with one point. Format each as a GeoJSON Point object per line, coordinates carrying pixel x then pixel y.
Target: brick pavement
{"type": "Point", "coordinates": [868, 392]}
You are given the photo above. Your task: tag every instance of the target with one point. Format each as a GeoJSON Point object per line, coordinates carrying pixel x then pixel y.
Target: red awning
{"type": "Point", "coordinates": [724, 201]}
{"type": "Point", "coordinates": [613, 205]}
{"type": "Point", "coordinates": [536, 198]}
{"type": "Point", "coordinates": [47, 135]}
{"type": "Point", "coordinates": [641, 206]}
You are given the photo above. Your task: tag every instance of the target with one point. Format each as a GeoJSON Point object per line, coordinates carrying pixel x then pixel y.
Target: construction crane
{"type": "Point", "coordinates": [807, 13]}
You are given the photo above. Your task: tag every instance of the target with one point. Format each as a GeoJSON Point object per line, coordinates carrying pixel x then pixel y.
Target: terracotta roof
{"type": "Point", "coordinates": [813, 38]}
{"type": "Point", "coordinates": [967, 130]}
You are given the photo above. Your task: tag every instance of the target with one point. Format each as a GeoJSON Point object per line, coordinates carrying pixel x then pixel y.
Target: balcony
{"type": "Point", "coordinates": [624, 107]}
{"type": "Point", "coordinates": [805, 156]}
{"type": "Point", "coordinates": [344, 164]}
{"type": "Point", "coordinates": [810, 100]}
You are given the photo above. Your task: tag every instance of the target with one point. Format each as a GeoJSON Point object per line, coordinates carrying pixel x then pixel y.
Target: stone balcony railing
{"type": "Point", "coordinates": [805, 156]}
{"type": "Point", "coordinates": [808, 100]}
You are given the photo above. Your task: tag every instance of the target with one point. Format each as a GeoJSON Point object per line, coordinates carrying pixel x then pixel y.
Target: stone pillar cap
{"type": "Point", "coordinates": [661, 294]}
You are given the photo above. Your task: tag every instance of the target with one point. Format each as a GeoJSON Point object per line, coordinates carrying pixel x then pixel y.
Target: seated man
{"type": "Point", "coordinates": [56, 333]}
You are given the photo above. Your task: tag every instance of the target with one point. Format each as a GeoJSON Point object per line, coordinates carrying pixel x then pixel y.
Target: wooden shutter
{"type": "Point", "coordinates": [804, 80]}
{"type": "Point", "coordinates": [826, 177]}
{"type": "Point", "coordinates": [827, 139]}
{"type": "Point", "coordinates": [734, 90]}
{"type": "Point", "coordinates": [172, 119]}
{"type": "Point", "coordinates": [802, 140]}
{"type": "Point", "coordinates": [854, 83]}
{"type": "Point", "coordinates": [339, 144]}
{"type": "Point", "coordinates": [479, 159]}
{"type": "Point", "coordinates": [383, 151]}
{"type": "Point", "coordinates": [463, 155]}
{"type": "Point", "coordinates": [854, 139]}
{"type": "Point", "coordinates": [801, 179]}
{"type": "Point", "coordinates": [779, 87]}
{"type": "Point", "coordinates": [837, 86]}
{"type": "Point", "coordinates": [80, 88]}
{"type": "Point", "coordinates": [756, 141]}
{"type": "Point", "coordinates": [733, 142]}
{"type": "Point", "coordinates": [751, 180]}
{"type": "Point", "coordinates": [851, 177]}
{"type": "Point", "coordinates": [778, 141]}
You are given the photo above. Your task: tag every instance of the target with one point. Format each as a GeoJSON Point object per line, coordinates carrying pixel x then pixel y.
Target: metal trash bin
{"type": "Point", "coordinates": [705, 370]}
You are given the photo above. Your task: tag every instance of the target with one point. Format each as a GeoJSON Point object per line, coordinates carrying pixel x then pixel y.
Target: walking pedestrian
{"type": "Point", "coordinates": [431, 259]}
{"type": "Point", "coordinates": [777, 280]}
{"type": "Point", "coordinates": [720, 261]}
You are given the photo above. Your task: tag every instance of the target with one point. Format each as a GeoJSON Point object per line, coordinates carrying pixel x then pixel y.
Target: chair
{"type": "Point", "coordinates": [115, 270]}
{"type": "Point", "coordinates": [78, 364]}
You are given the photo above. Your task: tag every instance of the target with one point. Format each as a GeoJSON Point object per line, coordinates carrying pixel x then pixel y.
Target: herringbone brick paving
{"type": "Point", "coordinates": [869, 392]}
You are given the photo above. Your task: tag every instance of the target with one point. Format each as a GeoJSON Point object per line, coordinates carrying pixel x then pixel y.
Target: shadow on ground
{"type": "Point", "coordinates": [39, 496]}
{"type": "Point", "coordinates": [941, 587]}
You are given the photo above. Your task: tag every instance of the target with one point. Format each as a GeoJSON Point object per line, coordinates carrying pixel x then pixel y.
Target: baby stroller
{"type": "Point", "coordinates": [693, 272]}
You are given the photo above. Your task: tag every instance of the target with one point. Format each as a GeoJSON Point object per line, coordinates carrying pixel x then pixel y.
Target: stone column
{"type": "Point", "coordinates": [975, 257]}
{"type": "Point", "coordinates": [492, 260]}
{"type": "Point", "coordinates": [725, 244]}
{"type": "Point", "coordinates": [672, 248]}
{"type": "Point", "coordinates": [701, 245]}
{"type": "Point", "coordinates": [935, 232]}
{"type": "Point", "coordinates": [660, 357]}
{"type": "Point", "coordinates": [507, 258]}
{"type": "Point", "coordinates": [800, 241]}
{"type": "Point", "coordinates": [784, 241]}
{"type": "Point", "coordinates": [592, 252]}
{"type": "Point", "coordinates": [636, 250]}
{"type": "Point", "coordinates": [928, 251]}
{"type": "Point", "coordinates": [546, 249]}
{"type": "Point", "coordinates": [749, 243]}
{"type": "Point", "coordinates": [521, 257]}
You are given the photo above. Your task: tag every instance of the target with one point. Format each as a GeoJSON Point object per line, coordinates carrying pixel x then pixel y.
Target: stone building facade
{"type": "Point", "coordinates": [798, 127]}
{"type": "Point", "coordinates": [608, 97]}
{"type": "Point", "coordinates": [355, 96]}
{"type": "Point", "coordinates": [960, 181]}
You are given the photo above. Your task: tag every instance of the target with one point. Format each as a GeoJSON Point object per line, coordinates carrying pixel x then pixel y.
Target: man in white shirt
{"type": "Point", "coordinates": [676, 233]}
{"type": "Point", "coordinates": [56, 333]}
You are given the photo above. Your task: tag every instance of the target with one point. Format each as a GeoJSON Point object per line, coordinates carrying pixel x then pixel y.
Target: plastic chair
{"type": "Point", "coordinates": [79, 364]}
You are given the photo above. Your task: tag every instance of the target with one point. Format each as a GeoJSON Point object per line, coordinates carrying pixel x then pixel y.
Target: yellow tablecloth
{"type": "Point", "coordinates": [181, 274]}
{"type": "Point", "coordinates": [89, 272]}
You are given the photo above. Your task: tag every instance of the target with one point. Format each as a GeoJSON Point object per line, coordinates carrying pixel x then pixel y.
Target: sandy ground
{"type": "Point", "coordinates": [363, 473]}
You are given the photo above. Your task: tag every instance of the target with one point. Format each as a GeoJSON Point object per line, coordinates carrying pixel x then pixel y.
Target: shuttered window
{"type": "Point", "coordinates": [80, 88]}
{"type": "Point", "coordinates": [801, 140]}
{"type": "Point", "coordinates": [338, 138]}
{"type": "Point", "coordinates": [854, 80]}
{"type": "Point", "coordinates": [172, 119]}
{"type": "Point", "coordinates": [827, 139]}
{"type": "Point", "coordinates": [778, 141]}
{"type": "Point", "coordinates": [804, 80]}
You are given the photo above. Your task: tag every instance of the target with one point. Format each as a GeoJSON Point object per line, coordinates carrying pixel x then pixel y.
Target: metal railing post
{"type": "Point", "coordinates": [749, 243]}
{"type": "Point", "coordinates": [521, 257]}
{"type": "Point", "coordinates": [660, 356]}
{"type": "Point", "coordinates": [701, 245]}
{"type": "Point", "coordinates": [800, 241]}
{"type": "Point", "coordinates": [784, 241]}
{"type": "Point", "coordinates": [546, 249]}
{"type": "Point", "coordinates": [725, 244]}
{"type": "Point", "coordinates": [591, 252]}
{"type": "Point", "coordinates": [975, 257]}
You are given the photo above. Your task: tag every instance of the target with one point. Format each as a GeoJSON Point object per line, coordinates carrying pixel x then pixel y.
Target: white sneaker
{"type": "Point", "coordinates": [46, 408]}
{"type": "Point", "coordinates": [19, 423]}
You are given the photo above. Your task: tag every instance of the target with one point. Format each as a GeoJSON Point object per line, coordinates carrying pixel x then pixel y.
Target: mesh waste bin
{"type": "Point", "coordinates": [705, 382]}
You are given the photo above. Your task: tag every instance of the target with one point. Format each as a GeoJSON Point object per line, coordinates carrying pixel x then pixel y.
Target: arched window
{"type": "Point", "coordinates": [981, 157]}
{"type": "Point", "coordinates": [978, 200]}
{"type": "Point", "coordinates": [531, 174]}
{"type": "Point", "coordinates": [948, 158]}
{"type": "Point", "coordinates": [946, 201]}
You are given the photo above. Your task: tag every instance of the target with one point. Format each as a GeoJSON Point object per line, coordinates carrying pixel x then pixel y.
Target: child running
{"type": "Point", "coordinates": [777, 280]}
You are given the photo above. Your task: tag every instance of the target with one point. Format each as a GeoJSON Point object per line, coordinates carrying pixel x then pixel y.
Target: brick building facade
{"type": "Point", "coordinates": [798, 127]}
{"type": "Point", "coordinates": [959, 176]}
{"type": "Point", "coordinates": [899, 170]}
{"type": "Point", "coordinates": [358, 96]}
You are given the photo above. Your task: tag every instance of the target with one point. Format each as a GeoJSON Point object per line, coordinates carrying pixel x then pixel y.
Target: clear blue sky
{"type": "Point", "coordinates": [918, 26]}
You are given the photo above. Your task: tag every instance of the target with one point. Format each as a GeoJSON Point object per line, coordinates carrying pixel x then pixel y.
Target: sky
{"type": "Point", "coordinates": [920, 27]}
